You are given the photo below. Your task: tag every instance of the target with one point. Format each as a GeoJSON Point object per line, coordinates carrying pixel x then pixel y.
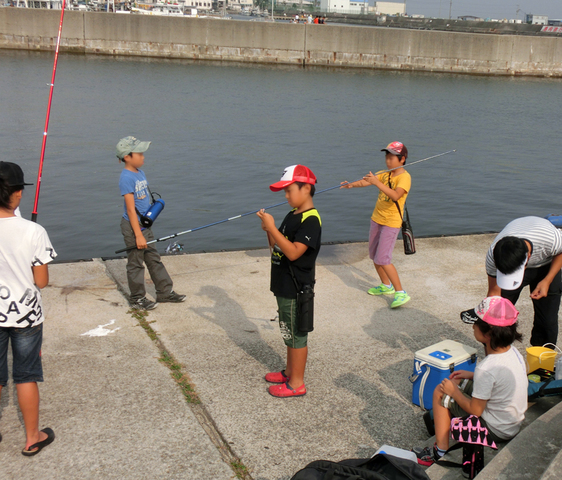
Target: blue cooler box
{"type": "Point", "coordinates": [435, 363]}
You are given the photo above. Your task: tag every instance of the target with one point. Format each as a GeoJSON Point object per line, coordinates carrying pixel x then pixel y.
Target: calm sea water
{"type": "Point", "coordinates": [222, 133]}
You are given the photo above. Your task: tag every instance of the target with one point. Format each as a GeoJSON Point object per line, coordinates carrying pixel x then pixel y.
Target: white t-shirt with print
{"type": "Point", "coordinates": [501, 379]}
{"type": "Point", "coordinates": [23, 244]}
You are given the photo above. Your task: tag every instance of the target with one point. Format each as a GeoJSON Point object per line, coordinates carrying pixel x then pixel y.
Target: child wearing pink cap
{"type": "Point", "coordinates": [386, 219]}
{"type": "Point", "coordinates": [295, 246]}
{"type": "Point", "coordinates": [497, 389]}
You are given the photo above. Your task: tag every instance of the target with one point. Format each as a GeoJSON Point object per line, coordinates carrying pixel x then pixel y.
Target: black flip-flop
{"type": "Point", "coordinates": [29, 452]}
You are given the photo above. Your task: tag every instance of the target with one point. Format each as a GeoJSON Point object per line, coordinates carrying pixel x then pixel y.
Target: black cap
{"type": "Point", "coordinates": [12, 174]}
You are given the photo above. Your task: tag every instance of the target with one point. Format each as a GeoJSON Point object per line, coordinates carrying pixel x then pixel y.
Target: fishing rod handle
{"type": "Point", "coordinates": [128, 249]}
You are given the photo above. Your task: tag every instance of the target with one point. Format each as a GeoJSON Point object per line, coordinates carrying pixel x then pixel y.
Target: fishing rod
{"type": "Point", "coordinates": [174, 235]}
{"type": "Point", "coordinates": [40, 172]}
{"type": "Point", "coordinates": [417, 161]}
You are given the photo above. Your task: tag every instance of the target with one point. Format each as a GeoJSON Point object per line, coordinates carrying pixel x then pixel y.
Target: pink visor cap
{"type": "Point", "coordinates": [497, 311]}
{"type": "Point", "coordinates": [292, 174]}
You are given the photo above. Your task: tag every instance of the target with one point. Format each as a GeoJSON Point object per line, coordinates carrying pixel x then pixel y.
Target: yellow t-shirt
{"type": "Point", "coordinates": [385, 212]}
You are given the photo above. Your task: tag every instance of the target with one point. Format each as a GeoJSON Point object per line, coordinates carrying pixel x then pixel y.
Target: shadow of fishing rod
{"type": "Point", "coordinates": [174, 235]}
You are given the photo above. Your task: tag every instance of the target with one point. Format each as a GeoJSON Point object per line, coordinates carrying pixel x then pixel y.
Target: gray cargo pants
{"type": "Point", "coordinates": [135, 265]}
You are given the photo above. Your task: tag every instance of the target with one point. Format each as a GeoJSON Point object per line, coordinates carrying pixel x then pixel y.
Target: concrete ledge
{"type": "Point", "coordinates": [282, 43]}
{"type": "Point", "coordinates": [531, 453]}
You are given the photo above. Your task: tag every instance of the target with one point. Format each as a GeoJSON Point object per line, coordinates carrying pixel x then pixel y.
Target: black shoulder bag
{"type": "Point", "coordinates": [305, 304]}
{"type": "Point", "coordinates": [407, 233]}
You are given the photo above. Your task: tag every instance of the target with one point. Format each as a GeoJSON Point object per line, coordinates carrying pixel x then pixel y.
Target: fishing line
{"type": "Point", "coordinates": [174, 235]}
{"type": "Point", "coordinates": [52, 84]}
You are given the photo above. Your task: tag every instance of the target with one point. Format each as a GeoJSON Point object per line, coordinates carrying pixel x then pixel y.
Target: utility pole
{"type": "Point", "coordinates": [450, 8]}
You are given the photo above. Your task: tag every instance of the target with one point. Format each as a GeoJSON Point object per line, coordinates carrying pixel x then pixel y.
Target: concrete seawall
{"type": "Point", "coordinates": [262, 42]}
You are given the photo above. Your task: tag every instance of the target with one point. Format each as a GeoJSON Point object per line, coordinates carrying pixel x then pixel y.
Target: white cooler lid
{"type": "Point", "coordinates": [444, 353]}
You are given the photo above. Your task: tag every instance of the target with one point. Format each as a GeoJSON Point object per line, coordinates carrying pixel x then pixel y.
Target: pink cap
{"type": "Point", "coordinates": [396, 148]}
{"type": "Point", "coordinates": [292, 174]}
{"type": "Point", "coordinates": [497, 311]}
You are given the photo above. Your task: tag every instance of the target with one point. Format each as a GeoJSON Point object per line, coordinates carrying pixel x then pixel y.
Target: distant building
{"type": "Point", "coordinates": [344, 6]}
{"type": "Point", "coordinates": [536, 19]}
{"type": "Point", "coordinates": [237, 4]}
{"type": "Point", "coordinates": [555, 23]}
{"type": "Point", "coordinates": [304, 3]}
{"type": "Point", "coordinates": [49, 4]}
{"type": "Point", "coordinates": [389, 8]}
{"type": "Point", "coordinates": [470, 18]}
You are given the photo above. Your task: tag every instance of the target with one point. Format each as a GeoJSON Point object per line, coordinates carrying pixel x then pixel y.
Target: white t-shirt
{"type": "Point", "coordinates": [501, 379]}
{"type": "Point", "coordinates": [23, 244]}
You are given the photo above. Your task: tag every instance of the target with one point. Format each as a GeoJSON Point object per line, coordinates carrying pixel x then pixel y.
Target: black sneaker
{"type": "Point", "coordinates": [172, 297]}
{"type": "Point", "coordinates": [144, 304]}
{"type": "Point", "coordinates": [427, 455]}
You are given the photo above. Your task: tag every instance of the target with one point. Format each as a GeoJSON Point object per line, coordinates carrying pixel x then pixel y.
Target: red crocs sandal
{"type": "Point", "coordinates": [285, 390]}
{"type": "Point", "coordinates": [277, 377]}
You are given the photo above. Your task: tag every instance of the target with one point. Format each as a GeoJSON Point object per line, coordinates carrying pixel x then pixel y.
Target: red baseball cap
{"type": "Point", "coordinates": [396, 148]}
{"type": "Point", "coordinates": [292, 174]}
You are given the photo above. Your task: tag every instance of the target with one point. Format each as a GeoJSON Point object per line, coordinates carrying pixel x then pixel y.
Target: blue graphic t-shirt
{"type": "Point", "coordinates": [137, 184]}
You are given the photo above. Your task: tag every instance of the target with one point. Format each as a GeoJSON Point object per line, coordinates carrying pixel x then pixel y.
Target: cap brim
{"type": "Point", "coordinates": [394, 152]}
{"type": "Point", "coordinates": [469, 316]}
{"type": "Point", "coordinates": [276, 187]}
{"type": "Point", "coordinates": [141, 147]}
{"type": "Point", "coordinates": [513, 280]}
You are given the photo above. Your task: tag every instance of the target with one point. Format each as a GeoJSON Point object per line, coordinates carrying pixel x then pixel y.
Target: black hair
{"type": "Point", "coordinates": [509, 254]}
{"type": "Point", "coordinates": [123, 159]}
{"type": "Point", "coordinates": [6, 192]}
{"type": "Point", "coordinates": [500, 337]}
{"type": "Point", "coordinates": [312, 187]}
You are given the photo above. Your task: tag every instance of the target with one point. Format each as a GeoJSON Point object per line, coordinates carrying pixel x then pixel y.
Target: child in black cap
{"type": "Point", "coordinates": [25, 251]}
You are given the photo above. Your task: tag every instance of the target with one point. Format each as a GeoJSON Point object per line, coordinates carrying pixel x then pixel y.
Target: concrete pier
{"type": "Point", "coordinates": [282, 43]}
{"type": "Point", "coordinates": [118, 413]}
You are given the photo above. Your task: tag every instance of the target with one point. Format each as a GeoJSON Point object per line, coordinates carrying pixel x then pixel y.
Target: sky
{"type": "Point", "coordinates": [497, 9]}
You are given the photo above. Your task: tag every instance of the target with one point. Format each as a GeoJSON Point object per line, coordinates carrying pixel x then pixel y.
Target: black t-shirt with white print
{"type": "Point", "coordinates": [306, 228]}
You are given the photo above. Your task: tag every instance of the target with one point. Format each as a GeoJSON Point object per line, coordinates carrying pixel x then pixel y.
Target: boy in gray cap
{"type": "Point", "coordinates": [134, 189]}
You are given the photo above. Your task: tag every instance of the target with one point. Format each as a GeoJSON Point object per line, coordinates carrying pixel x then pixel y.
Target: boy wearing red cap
{"type": "Point", "coordinates": [295, 247]}
{"type": "Point", "coordinates": [386, 219]}
{"type": "Point", "coordinates": [497, 389]}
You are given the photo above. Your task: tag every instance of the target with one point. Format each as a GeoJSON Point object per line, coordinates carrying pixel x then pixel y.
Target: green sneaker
{"type": "Point", "coordinates": [382, 289]}
{"type": "Point", "coordinates": [400, 299]}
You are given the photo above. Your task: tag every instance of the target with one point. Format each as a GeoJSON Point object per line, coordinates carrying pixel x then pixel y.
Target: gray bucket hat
{"type": "Point", "coordinates": [129, 145]}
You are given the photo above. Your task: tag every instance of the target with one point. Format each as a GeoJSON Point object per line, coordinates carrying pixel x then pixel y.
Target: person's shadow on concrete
{"type": "Point", "coordinates": [340, 260]}
{"type": "Point", "coordinates": [415, 329]}
{"type": "Point", "coordinates": [230, 316]}
{"type": "Point", "coordinates": [387, 417]}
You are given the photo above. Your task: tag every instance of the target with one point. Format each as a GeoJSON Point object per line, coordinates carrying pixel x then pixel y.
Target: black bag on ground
{"type": "Point", "coordinates": [380, 467]}
{"type": "Point", "coordinates": [541, 389]}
